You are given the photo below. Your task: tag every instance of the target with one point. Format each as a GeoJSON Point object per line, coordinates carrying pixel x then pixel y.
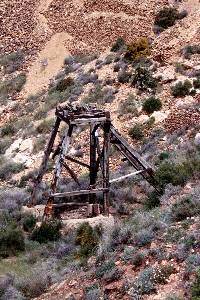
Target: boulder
{"type": "Point", "coordinates": [160, 116]}
{"type": "Point", "coordinates": [197, 139]}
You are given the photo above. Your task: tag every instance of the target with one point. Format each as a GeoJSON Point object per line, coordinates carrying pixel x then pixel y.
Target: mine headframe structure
{"type": "Point", "coordinates": [75, 116]}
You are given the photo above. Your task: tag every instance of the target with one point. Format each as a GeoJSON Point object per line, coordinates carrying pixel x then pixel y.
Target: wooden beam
{"type": "Point", "coordinates": [64, 148]}
{"type": "Point", "coordinates": [127, 176]}
{"type": "Point", "coordinates": [106, 149]}
{"type": "Point", "coordinates": [93, 165]}
{"type": "Point", "coordinates": [71, 172]}
{"type": "Point", "coordinates": [127, 147]}
{"type": "Point", "coordinates": [45, 159]}
{"type": "Point", "coordinates": [78, 193]}
{"type": "Point", "coordinates": [77, 161]}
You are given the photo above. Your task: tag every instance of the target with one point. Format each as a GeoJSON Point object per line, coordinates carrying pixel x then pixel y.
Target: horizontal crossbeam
{"type": "Point", "coordinates": [81, 192]}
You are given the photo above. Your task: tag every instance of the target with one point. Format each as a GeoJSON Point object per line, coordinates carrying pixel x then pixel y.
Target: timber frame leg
{"type": "Point", "coordinates": [106, 149]}
{"type": "Point", "coordinates": [45, 159]}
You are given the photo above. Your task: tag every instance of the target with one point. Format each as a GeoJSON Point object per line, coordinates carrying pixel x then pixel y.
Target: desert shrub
{"type": "Point", "coordinates": [118, 45]}
{"type": "Point", "coordinates": [39, 144]}
{"type": "Point", "coordinates": [176, 174]}
{"type": "Point", "coordinates": [136, 132]}
{"type": "Point", "coordinates": [149, 277]}
{"type": "Point", "coordinates": [8, 168]}
{"type": "Point", "coordinates": [116, 67]}
{"type": "Point", "coordinates": [11, 62]}
{"type": "Point", "coordinates": [166, 17]}
{"type": "Point", "coordinates": [5, 144]}
{"type": "Point", "coordinates": [12, 199]}
{"type": "Point", "coordinates": [128, 106]}
{"type": "Point", "coordinates": [124, 76]}
{"type": "Point", "coordinates": [85, 58]}
{"type": "Point", "coordinates": [85, 78]}
{"type": "Point", "coordinates": [143, 79]}
{"type": "Point", "coordinates": [108, 271]}
{"type": "Point", "coordinates": [63, 84]}
{"type": "Point", "coordinates": [184, 208]}
{"type": "Point", "coordinates": [99, 95]}
{"type": "Point", "coordinates": [196, 83]}
{"type": "Point", "coordinates": [152, 201]}
{"type": "Point", "coordinates": [11, 240]}
{"type": "Point", "coordinates": [181, 89]}
{"type": "Point", "coordinates": [48, 231]}
{"type": "Point", "coordinates": [164, 155]}
{"type": "Point", "coordinates": [45, 126]}
{"type": "Point", "coordinates": [109, 59]}
{"type": "Point", "coordinates": [190, 50]}
{"type": "Point", "coordinates": [36, 283]}
{"type": "Point", "coordinates": [29, 223]}
{"type": "Point", "coordinates": [137, 49]}
{"type": "Point", "coordinates": [128, 253]}
{"type": "Point", "coordinates": [8, 129]}
{"type": "Point", "coordinates": [87, 238]}
{"type": "Point", "coordinates": [151, 104]}
{"type": "Point", "coordinates": [143, 237]}
{"type": "Point", "coordinates": [138, 259]}
{"type": "Point", "coordinates": [192, 263]}
{"type": "Point", "coordinates": [195, 289]}
{"type": "Point", "coordinates": [92, 292]}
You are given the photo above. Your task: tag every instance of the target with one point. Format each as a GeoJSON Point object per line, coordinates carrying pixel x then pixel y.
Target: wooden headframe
{"type": "Point", "coordinates": [75, 116]}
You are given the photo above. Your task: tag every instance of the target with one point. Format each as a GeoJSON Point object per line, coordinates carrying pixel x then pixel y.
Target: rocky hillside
{"type": "Point", "coordinates": [141, 62]}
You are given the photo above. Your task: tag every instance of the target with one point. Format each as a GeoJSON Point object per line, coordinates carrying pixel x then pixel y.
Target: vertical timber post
{"type": "Point", "coordinates": [106, 147]}
{"type": "Point", "coordinates": [45, 159]}
{"type": "Point", "coordinates": [92, 197]}
{"type": "Point", "coordinates": [64, 147]}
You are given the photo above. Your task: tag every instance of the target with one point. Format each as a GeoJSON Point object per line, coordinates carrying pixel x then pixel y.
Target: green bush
{"type": "Point", "coordinates": [48, 231]}
{"type": "Point", "coordinates": [152, 200]}
{"type": "Point", "coordinates": [181, 89]}
{"type": "Point", "coordinates": [151, 104]}
{"type": "Point", "coordinates": [149, 277]}
{"type": "Point", "coordinates": [45, 126]}
{"type": "Point", "coordinates": [166, 17]}
{"type": "Point", "coordinates": [63, 84]}
{"type": "Point", "coordinates": [190, 50]}
{"type": "Point", "coordinates": [99, 95]}
{"type": "Point", "coordinates": [128, 106]}
{"type": "Point", "coordinates": [11, 240]}
{"type": "Point", "coordinates": [143, 79]}
{"type": "Point", "coordinates": [138, 259]}
{"type": "Point", "coordinates": [13, 85]}
{"type": "Point", "coordinates": [177, 174]}
{"type": "Point", "coordinates": [108, 271]}
{"type": "Point", "coordinates": [196, 83]}
{"type": "Point", "coordinates": [5, 144]}
{"type": "Point", "coordinates": [8, 130]}
{"type": "Point", "coordinates": [195, 290]}
{"type": "Point", "coordinates": [8, 168]}
{"type": "Point", "coordinates": [136, 132]}
{"type": "Point", "coordinates": [164, 155]}
{"type": "Point", "coordinates": [185, 208]}
{"type": "Point", "coordinates": [87, 238]}
{"type": "Point", "coordinates": [11, 62]}
{"type": "Point", "coordinates": [137, 49]}
{"type": "Point", "coordinates": [29, 223]}
{"type": "Point", "coordinates": [123, 76]}
{"type": "Point", "coordinates": [118, 45]}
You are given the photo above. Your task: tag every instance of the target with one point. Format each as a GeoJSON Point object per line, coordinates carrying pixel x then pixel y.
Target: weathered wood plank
{"type": "Point", "coordinates": [77, 193]}
{"type": "Point", "coordinates": [127, 176]}
{"type": "Point", "coordinates": [77, 161]}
